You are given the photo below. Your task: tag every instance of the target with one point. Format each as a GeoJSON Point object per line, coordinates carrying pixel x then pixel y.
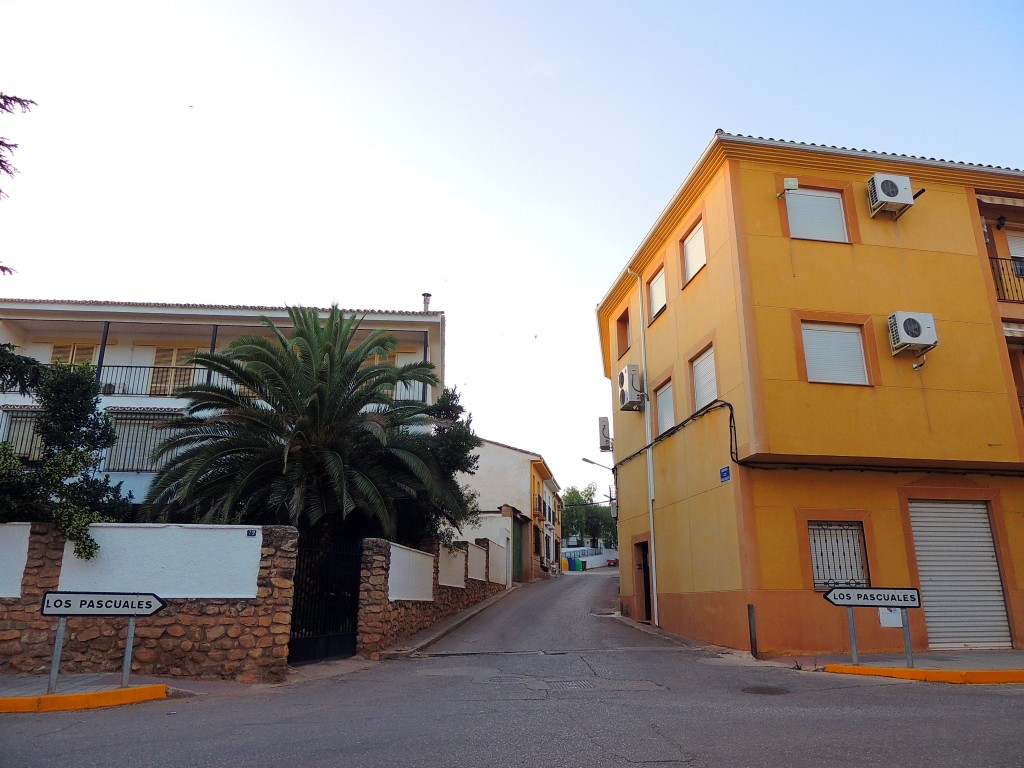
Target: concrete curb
{"type": "Point", "coordinates": [959, 676]}
{"type": "Point", "coordinates": [66, 702]}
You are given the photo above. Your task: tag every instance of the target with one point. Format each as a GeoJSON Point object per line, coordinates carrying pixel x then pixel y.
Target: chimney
{"type": "Point", "coordinates": [426, 302]}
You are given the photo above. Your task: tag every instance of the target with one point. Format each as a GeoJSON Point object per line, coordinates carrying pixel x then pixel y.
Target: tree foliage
{"type": "Point", "coordinates": [451, 445]}
{"type": "Point", "coordinates": [18, 371]}
{"type": "Point", "coordinates": [63, 487]}
{"type": "Point", "coordinates": [10, 105]}
{"type": "Point", "coordinates": [584, 517]}
{"type": "Point", "coordinates": [302, 428]}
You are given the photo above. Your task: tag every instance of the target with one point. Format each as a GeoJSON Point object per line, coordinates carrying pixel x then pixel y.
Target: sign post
{"type": "Point", "coordinates": [64, 604]}
{"type": "Point", "coordinates": [868, 597]}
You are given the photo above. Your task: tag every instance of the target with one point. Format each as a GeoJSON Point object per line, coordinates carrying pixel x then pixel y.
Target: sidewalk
{"type": "Point", "coordinates": [27, 693]}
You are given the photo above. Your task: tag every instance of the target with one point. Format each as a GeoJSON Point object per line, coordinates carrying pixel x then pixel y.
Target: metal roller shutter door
{"type": "Point", "coordinates": [961, 591]}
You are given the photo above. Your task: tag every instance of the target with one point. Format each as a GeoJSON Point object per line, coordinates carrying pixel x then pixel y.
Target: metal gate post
{"type": "Point", "coordinates": [905, 618]}
{"type": "Point", "coordinates": [853, 634]}
{"type": "Point", "coordinates": [62, 624]}
{"type": "Point", "coordinates": [129, 641]}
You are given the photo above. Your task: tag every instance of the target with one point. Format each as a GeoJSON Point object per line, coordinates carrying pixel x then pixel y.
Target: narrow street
{"type": "Point", "coordinates": [546, 678]}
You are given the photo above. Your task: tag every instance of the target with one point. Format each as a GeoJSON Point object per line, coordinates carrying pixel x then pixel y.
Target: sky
{"type": "Point", "coordinates": [507, 157]}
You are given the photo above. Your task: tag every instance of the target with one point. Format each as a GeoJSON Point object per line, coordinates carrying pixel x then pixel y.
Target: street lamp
{"type": "Point", "coordinates": [591, 461]}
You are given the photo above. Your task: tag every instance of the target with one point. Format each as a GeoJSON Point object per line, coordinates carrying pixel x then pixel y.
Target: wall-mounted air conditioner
{"type": "Point", "coordinates": [631, 392]}
{"type": "Point", "coordinates": [913, 331]}
{"type": "Point", "coordinates": [888, 192]}
{"type": "Point", "coordinates": [604, 434]}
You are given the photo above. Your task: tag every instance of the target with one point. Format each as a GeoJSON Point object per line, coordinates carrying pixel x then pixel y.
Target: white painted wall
{"type": "Point", "coordinates": [502, 477]}
{"type": "Point", "coordinates": [497, 560]}
{"type": "Point", "coordinates": [499, 530]}
{"type": "Point", "coordinates": [411, 576]}
{"type": "Point", "coordinates": [451, 568]}
{"type": "Point", "coordinates": [168, 560]}
{"type": "Point", "coordinates": [477, 562]}
{"type": "Point", "coordinates": [595, 561]}
{"type": "Point", "coordinates": [13, 557]}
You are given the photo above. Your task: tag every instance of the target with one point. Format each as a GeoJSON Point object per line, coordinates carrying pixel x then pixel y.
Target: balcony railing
{"type": "Point", "coordinates": [1009, 278]}
{"type": "Point", "coordinates": [162, 381]}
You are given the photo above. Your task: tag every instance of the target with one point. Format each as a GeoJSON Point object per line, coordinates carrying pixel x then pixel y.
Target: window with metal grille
{"type": "Point", "coordinates": [838, 557]}
{"type": "Point", "coordinates": [21, 434]}
{"type": "Point", "coordinates": [138, 436]}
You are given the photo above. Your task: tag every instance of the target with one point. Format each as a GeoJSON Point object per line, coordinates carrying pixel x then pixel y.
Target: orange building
{"type": "Point", "coordinates": [817, 365]}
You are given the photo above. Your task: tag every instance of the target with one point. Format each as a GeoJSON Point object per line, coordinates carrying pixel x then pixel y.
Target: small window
{"type": "Point", "coordinates": [622, 332]}
{"type": "Point", "coordinates": [1016, 244]}
{"type": "Point", "coordinates": [22, 435]}
{"type": "Point", "coordinates": [656, 293]}
{"type": "Point", "coordinates": [665, 407]}
{"type": "Point", "coordinates": [137, 437]}
{"type": "Point", "coordinates": [694, 254]}
{"type": "Point", "coordinates": [816, 214]}
{"type": "Point", "coordinates": [834, 353]}
{"type": "Point", "coordinates": [705, 382]}
{"type": "Point", "coordinates": [73, 354]}
{"type": "Point", "coordinates": [838, 557]}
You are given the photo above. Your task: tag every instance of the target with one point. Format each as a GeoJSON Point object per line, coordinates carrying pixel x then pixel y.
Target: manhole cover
{"type": "Point", "coordinates": [766, 690]}
{"type": "Point", "coordinates": [506, 679]}
{"type": "Point", "coordinates": [571, 685]}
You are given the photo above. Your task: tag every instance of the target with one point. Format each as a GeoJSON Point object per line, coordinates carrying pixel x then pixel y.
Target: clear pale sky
{"type": "Point", "coordinates": [507, 157]}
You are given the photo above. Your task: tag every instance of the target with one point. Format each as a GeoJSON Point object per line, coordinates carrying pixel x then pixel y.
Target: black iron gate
{"type": "Point", "coordinates": [326, 604]}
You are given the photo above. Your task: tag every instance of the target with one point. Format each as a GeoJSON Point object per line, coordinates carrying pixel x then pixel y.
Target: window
{"type": "Point", "coordinates": [74, 354]}
{"type": "Point", "coordinates": [172, 368]}
{"type": "Point", "coordinates": [816, 214]}
{"type": "Point", "coordinates": [665, 407]}
{"type": "Point", "coordinates": [838, 557]}
{"type": "Point", "coordinates": [138, 435]}
{"type": "Point", "coordinates": [1016, 244]}
{"type": "Point", "coordinates": [656, 293]}
{"type": "Point", "coordinates": [21, 434]}
{"type": "Point", "coordinates": [694, 254]}
{"type": "Point", "coordinates": [834, 353]}
{"type": "Point", "coordinates": [622, 332]}
{"type": "Point", "coordinates": [705, 383]}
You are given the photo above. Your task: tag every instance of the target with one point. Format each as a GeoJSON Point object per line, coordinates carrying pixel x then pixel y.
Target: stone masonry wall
{"type": "Point", "coordinates": [383, 623]}
{"type": "Point", "coordinates": [245, 640]}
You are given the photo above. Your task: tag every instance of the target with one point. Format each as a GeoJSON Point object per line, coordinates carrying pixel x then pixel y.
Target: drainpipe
{"type": "Point", "coordinates": [649, 451]}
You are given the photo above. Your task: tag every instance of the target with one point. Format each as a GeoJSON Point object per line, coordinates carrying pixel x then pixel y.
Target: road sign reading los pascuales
{"type": "Point", "coordinates": [101, 604]}
{"type": "Point", "coordinates": [865, 597]}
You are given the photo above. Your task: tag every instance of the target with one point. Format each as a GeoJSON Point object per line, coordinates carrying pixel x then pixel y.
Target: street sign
{"type": "Point", "coordinates": [861, 597]}
{"type": "Point", "coordinates": [101, 604]}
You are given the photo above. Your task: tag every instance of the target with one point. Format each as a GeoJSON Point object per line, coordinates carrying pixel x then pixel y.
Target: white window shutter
{"type": "Point", "coordinates": [657, 293]}
{"type": "Point", "coordinates": [834, 353]}
{"type": "Point", "coordinates": [816, 214]}
{"type": "Point", "coordinates": [705, 381]}
{"type": "Point", "coordinates": [1016, 243]}
{"type": "Point", "coordinates": [666, 408]}
{"type": "Point", "coordinates": [694, 253]}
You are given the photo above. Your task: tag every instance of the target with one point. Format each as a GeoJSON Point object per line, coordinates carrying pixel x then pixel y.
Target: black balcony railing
{"type": "Point", "coordinates": [1009, 278]}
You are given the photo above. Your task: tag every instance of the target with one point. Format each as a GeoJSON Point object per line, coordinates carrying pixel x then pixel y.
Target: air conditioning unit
{"type": "Point", "coordinates": [887, 192]}
{"type": "Point", "coordinates": [631, 393]}
{"type": "Point", "coordinates": [914, 331]}
{"type": "Point", "coordinates": [604, 434]}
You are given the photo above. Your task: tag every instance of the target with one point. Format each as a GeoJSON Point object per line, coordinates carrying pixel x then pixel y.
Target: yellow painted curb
{"type": "Point", "coordinates": [968, 677]}
{"type": "Point", "coordinates": [64, 702]}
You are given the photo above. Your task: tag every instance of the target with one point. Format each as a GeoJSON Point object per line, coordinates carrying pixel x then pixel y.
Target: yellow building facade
{"type": "Point", "coordinates": [783, 421]}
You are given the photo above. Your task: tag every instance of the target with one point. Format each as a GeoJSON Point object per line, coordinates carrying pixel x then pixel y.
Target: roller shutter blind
{"type": "Point", "coordinates": [694, 254]}
{"type": "Point", "coordinates": [705, 382]}
{"type": "Point", "coordinates": [657, 293]}
{"type": "Point", "coordinates": [834, 353]}
{"type": "Point", "coordinates": [816, 214]}
{"type": "Point", "coordinates": [961, 589]}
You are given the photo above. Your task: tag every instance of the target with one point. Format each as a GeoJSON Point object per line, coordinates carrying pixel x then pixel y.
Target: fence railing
{"type": "Point", "coordinates": [1009, 278]}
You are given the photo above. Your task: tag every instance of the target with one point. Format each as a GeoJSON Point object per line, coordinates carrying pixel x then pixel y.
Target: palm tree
{"type": "Point", "coordinates": [301, 429]}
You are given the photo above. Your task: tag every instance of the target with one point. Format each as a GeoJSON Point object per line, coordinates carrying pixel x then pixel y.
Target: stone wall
{"type": "Point", "coordinates": [384, 623]}
{"type": "Point", "coordinates": [245, 640]}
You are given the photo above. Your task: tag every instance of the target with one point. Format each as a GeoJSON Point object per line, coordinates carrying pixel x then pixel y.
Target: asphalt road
{"type": "Point", "coordinates": [542, 679]}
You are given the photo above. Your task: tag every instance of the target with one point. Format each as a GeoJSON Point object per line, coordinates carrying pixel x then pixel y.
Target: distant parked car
{"type": "Point", "coordinates": [613, 562]}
